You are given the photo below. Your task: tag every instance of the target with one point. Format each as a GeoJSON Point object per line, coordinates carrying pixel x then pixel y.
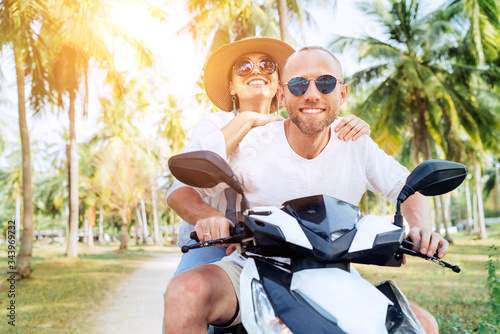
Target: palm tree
{"type": "Point", "coordinates": [414, 92]}
{"type": "Point", "coordinates": [228, 21]}
{"type": "Point", "coordinates": [80, 43]}
{"type": "Point", "coordinates": [18, 24]}
{"type": "Point", "coordinates": [478, 49]}
{"type": "Point", "coordinates": [283, 19]}
{"type": "Point", "coordinates": [11, 185]}
{"type": "Point", "coordinates": [482, 17]}
{"type": "Point", "coordinates": [123, 166]}
{"type": "Point", "coordinates": [407, 88]}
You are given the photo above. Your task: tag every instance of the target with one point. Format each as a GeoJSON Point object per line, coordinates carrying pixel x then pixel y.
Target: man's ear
{"type": "Point", "coordinates": [280, 94]}
{"type": "Point", "coordinates": [343, 94]}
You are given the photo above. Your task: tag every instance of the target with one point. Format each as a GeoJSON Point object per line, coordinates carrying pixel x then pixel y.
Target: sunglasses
{"type": "Point", "coordinates": [325, 84]}
{"type": "Point", "coordinates": [244, 66]}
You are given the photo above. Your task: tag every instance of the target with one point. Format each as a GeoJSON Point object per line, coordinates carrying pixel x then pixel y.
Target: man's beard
{"type": "Point", "coordinates": [312, 128]}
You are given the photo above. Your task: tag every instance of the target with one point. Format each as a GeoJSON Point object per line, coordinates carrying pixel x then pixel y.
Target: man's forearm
{"type": "Point", "coordinates": [416, 211]}
{"type": "Point", "coordinates": [187, 203]}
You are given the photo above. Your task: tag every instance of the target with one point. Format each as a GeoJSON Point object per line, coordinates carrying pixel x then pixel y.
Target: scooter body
{"type": "Point", "coordinates": [315, 290]}
{"type": "Point", "coordinates": [311, 286]}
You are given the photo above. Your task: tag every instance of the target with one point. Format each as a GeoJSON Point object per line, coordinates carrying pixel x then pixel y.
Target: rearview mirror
{"type": "Point", "coordinates": [433, 177]}
{"type": "Point", "coordinates": [203, 169]}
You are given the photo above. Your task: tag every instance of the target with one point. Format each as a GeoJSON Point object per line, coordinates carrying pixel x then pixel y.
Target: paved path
{"type": "Point", "coordinates": [137, 307]}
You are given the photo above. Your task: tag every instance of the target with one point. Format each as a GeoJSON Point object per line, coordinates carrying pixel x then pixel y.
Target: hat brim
{"type": "Point", "coordinates": [221, 62]}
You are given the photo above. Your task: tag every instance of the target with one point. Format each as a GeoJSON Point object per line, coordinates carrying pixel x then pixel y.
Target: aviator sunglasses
{"type": "Point", "coordinates": [244, 66]}
{"type": "Point", "coordinates": [325, 84]}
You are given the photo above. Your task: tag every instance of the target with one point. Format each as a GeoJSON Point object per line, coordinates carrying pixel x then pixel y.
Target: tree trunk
{"type": "Point", "coordinates": [480, 209]}
{"type": "Point", "coordinates": [475, 228]}
{"type": "Point", "coordinates": [497, 176]}
{"type": "Point", "coordinates": [381, 204]}
{"type": "Point", "coordinates": [154, 200]}
{"type": "Point", "coordinates": [101, 225]}
{"type": "Point", "coordinates": [437, 218]}
{"type": "Point", "coordinates": [91, 219]}
{"type": "Point", "coordinates": [18, 218]}
{"type": "Point", "coordinates": [72, 251]}
{"type": "Point", "coordinates": [66, 208]}
{"type": "Point", "coordinates": [138, 229]}
{"type": "Point", "coordinates": [144, 223]}
{"type": "Point", "coordinates": [468, 207]}
{"type": "Point", "coordinates": [26, 251]}
{"type": "Point", "coordinates": [85, 230]}
{"type": "Point", "coordinates": [124, 237]}
{"type": "Point", "coordinates": [365, 204]}
{"type": "Point", "coordinates": [445, 200]}
{"type": "Point", "coordinates": [283, 17]}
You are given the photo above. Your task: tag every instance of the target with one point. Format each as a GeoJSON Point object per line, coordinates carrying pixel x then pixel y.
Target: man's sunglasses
{"type": "Point", "coordinates": [325, 84]}
{"type": "Point", "coordinates": [244, 66]}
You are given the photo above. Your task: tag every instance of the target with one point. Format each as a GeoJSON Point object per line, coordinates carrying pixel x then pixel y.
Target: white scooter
{"type": "Point", "coordinates": [315, 289]}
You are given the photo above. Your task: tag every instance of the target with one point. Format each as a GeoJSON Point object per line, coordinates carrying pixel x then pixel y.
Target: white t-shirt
{"type": "Point", "coordinates": [272, 173]}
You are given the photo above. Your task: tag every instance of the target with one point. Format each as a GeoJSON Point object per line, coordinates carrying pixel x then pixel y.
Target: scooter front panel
{"type": "Point", "coordinates": [346, 299]}
{"type": "Point", "coordinates": [299, 316]}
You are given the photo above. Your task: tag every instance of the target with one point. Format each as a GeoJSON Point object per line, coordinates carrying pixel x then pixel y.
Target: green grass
{"type": "Point", "coordinates": [64, 295]}
{"type": "Point", "coordinates": [458, 301]}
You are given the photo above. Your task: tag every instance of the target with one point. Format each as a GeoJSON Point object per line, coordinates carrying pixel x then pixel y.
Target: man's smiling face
{"type": "Point", "coordinates": [314, 111]}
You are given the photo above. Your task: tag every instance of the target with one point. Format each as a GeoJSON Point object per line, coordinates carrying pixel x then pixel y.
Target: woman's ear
{"type": "Point", "coordinates": [231, 88]}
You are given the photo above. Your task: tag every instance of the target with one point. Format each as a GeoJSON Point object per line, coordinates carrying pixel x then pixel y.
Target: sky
{"type": "Point", "coordinates": [179, 59]}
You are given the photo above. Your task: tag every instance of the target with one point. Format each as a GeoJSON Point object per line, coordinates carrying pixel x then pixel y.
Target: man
{"type": "Point", "coordinates": [302, 157]}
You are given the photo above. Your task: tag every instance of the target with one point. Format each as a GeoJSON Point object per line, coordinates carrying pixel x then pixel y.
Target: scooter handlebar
{"type": "Point", "coordinates": [236, 236]}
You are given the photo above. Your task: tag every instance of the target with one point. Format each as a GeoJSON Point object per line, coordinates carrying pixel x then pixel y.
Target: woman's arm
{"type": "Point", "coordinates": [239, 126]}
{"type": "Point", "coordinates": [350, 127]}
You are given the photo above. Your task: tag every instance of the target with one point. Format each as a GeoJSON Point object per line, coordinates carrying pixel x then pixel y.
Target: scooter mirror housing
{"type": "Point", "coordinates": [204, 169]}
{"type": "Point", "coordinates": [433, 177]}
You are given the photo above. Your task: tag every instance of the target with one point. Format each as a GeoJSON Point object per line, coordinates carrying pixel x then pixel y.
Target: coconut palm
{"type": "Point", "coordinates": [18, 24]}
{"type": "Point", "coordinates": [80, 43]}
{"type": "Point", "coordinates": [124, 167]}
{"type": "Point", "coordinates": [482, 19]}
{"type": "Point", "coordinates": [229, 21]}
{"type": "Point", "coordinates": [416, 94]}
{"type": "Point", "coordinates": [478, 49]}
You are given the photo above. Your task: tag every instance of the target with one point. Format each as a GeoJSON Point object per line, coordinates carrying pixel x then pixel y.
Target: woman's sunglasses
{"type": "Point", "coordinates": [244, 66]}
{"type": "Point", "coordinates": [325, 84]}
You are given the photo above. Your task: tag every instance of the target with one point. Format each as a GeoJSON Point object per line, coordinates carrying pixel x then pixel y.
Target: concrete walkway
{"type": "Point", "coordinates": [137, 307]}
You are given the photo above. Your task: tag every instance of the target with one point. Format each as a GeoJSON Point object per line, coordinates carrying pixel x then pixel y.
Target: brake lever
{"type": "Point", "coordinates": [229, 240]}
{"type": "Point", "coordinates": [403, 249]}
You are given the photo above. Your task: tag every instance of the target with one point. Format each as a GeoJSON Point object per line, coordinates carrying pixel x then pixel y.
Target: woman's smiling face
{"type": "Point", "coordinates": [257, 84]}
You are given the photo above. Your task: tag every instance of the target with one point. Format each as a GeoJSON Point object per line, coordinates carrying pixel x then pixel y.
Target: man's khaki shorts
{"type": "Point", "coordinates": [233, 271]}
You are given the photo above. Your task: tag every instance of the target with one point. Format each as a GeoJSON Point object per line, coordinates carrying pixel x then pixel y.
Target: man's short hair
{"type": "Point", "coordinates": [314, 47]}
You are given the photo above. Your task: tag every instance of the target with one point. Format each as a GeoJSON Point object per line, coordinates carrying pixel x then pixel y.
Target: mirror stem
{"type": "Point", "coordinates": [244, 204]}
{"type": "Point", "coordinates": [398, 217]}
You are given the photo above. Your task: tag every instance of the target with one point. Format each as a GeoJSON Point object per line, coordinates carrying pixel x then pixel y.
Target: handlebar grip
{"type": "Point", "coordinates": [194, 236]}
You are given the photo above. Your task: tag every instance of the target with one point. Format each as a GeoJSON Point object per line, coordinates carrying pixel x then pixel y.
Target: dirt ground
{"type": "Point", "coordinates": [137, 306]}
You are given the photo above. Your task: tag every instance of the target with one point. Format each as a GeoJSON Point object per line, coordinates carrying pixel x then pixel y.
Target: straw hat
{"type": "Point", "coordinates": [220, 63]}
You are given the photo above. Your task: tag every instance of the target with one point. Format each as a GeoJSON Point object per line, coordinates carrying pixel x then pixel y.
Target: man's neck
{"type": "Point", "coordinates": [305, 145]}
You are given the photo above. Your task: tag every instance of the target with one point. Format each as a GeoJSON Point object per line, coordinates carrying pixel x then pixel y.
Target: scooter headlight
{"type": "Point", "coordinates": [265, 317]}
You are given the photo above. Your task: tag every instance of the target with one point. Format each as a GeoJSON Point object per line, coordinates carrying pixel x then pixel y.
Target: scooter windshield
{"type": "Point", "coordinates": [326, 221]}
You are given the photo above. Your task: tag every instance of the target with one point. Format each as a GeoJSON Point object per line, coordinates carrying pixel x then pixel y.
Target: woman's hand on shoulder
{"type": "Point", "coordinates": [352, 127]}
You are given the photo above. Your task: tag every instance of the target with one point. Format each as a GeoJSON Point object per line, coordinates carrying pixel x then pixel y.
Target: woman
{"type": "Point", "coordinates": [241, 77]}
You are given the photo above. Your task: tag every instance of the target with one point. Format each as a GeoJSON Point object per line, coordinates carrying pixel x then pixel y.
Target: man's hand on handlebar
{"type": "Point", "coordinates": [429, 242]}
{"type": "Point", "coordinates": [214, 227]}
